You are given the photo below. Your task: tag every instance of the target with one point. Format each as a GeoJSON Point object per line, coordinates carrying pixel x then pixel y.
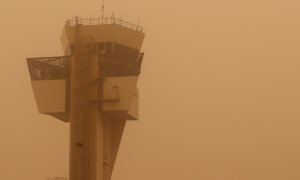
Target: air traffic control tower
{"type": "Point", "coordinates": [93, 87]}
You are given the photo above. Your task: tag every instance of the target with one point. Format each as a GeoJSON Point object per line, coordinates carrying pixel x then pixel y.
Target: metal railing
{"type": "Point", "coordinates": [99, 21]}
{"type": "Point", "coordinates": [49, 68]}
{"type": "Point", "coordinates": [61, 61]}
{"type": "Point", "coordinates": [53, 68]}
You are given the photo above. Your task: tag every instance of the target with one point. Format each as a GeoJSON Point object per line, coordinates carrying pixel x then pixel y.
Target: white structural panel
{"type": "Point", "coordinates": [134, 108]}
{"type": "Point", "coordinates": [119, 93]}
{"type": "Point", "coordinates": [50, 95]}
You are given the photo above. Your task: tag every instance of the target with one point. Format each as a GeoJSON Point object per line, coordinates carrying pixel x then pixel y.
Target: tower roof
{"type": "Point", "coordinates": [103, 30]}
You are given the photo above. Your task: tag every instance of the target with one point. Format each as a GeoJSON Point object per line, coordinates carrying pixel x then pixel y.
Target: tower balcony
{"type": "Point", "coordinates": [50, 79]}
{"type": "Point", "coordinates": [50, 83]}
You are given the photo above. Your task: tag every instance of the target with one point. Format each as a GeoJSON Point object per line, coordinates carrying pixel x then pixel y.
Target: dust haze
{"type": "Point", "coordinates": [219, 90]}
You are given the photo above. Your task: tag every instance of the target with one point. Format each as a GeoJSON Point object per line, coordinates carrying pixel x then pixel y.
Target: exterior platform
{"type": "Point", "coordinates": [120, 98]}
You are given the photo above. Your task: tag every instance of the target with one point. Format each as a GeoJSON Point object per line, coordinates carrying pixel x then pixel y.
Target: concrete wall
{"type": "Point", "coordinates": [50, 95]}
{"type": "Point", "coordinates": [134, 108]}
{"type": "Point", "coordinates": [126, 89]}
{"type": "Point", "coordinates": [119, 94]}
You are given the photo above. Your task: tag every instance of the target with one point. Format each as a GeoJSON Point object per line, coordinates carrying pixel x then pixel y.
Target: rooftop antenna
{"type": "Point", "coordinates": [102, 8]}
{"type": "Point", "coordinates": [73, 13]}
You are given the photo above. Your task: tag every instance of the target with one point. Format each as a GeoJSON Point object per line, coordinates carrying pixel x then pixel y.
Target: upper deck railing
{"type": "Point", "coordinates": [99, 21]}
{"type": "Point", "coordinates": [49, 68]}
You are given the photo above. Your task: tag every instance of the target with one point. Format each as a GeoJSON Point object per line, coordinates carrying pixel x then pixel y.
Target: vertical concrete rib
{"type": "Point", "coordinates": [86, 128]}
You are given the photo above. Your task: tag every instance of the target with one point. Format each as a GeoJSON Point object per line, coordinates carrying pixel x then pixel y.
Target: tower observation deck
{"type": "Point", "coordinates": [93, 87]}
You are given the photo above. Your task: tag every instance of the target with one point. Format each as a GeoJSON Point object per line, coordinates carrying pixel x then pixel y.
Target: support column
{"type": "Point", "coordinates": [86, 117]}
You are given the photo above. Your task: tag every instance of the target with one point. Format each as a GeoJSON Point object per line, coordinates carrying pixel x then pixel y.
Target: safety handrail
{"type": "Point", "coordinates": [99, 21]}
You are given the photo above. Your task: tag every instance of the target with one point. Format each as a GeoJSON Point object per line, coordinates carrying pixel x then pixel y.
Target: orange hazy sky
{"type": "Point", "coordinates": [219, 90]}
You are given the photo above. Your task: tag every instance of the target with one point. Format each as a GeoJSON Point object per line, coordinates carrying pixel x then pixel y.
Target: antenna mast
{"type": "Point", "coordinates": [73, 12]}
{"type": "Point", "coordinates": [102, 8]}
